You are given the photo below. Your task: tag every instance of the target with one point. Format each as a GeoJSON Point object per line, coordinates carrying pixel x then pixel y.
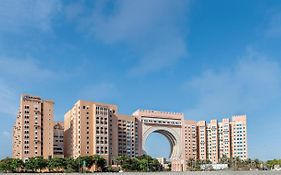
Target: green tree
{"type": "Point", "coordinates": [143, 165]}
{"type": "Point", "coordinates": [17, 165]}
{"type": "Point", "coordinates": [271, 163]}
{"type": "Point", "coordinates": [71, 165]}
{"type": "Point", "coordinates": [100, 162]}
{"type": "Point", "coordinates": [11, 165]}
{"type": "Point", "coordinates": [56, 164]}
{"type": "Point", "coordinates": [5, 165]}
{"type": "Point", "coordinates": [88, 161]}
{"type": "Point", "coordinates": [131, 164]}
{"type": "Point", "coordinates": [36, 163]}
{"type": "Point", "coordinates": [224, 160]}
{"type": "Point", "coordinates": [236, 163]}
{"type": "Point", "coordinates": [147, 163]}
{"type": "Point", "coordinates": [121, 159]}
{"type": "Point", "coordinates": [194, 165]}
{"type": "Point", "coordinates": [155, 165]}
{"type": "Point", "coordinates": [2, 166]}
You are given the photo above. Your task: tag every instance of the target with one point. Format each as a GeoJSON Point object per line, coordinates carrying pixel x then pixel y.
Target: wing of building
{"type": "Point", "coordinates": [91, 128]}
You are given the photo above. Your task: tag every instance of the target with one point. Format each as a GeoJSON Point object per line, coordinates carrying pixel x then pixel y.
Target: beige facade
{"type": "Point", "coordinates": [190, 140]}
{"type": "Point", "coordinates": [212, 141]}
{"type": "Point", "coordinates": [239, 145]}
{"type": "Point", "coordinates": [226, 138]}
{"type": "Point", "coordinates": [33, 129]}
{"type": "Point", "coordinates": [202, 140]}
{"type": "Point", "coordinates": [127, 136]}
{"type": "Point", "coordinates": [91, 128]}
{"type": "Point", "coordinates": [97, 128]}
{"type": "Point", "coordinates": [58, 140]}
{"type": "Point", "coordinates": [168, 124]}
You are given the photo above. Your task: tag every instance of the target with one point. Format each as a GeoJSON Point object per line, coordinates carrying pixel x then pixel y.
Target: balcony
{"type": "Point", "coordinates": [36, 125]}
{"type": "Point", "coordinates": [37, 111]}
{"type": "Point", "coordinates": [37, 141]}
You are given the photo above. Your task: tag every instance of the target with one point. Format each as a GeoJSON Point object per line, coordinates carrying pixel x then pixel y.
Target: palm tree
{"type": "Point", "coordinates": [224, 160]}
{"type": "Point", "coordinates": [36, 163]}
{"type": "Point", "coordinates": [56, 163]}
{"type": "Point", "coordinates": [121, 159]}
{"type": "Point", "coordinates": [17, 165]}
{"type": "Point", "coordinates": [100, 162]}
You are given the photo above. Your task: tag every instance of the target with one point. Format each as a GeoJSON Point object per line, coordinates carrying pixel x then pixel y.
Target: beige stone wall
{"type": "Point", "coordinates": [87, 129]}
{"type": "Point", "coordinates": [202, 140]}
{"type": "Point", "coordinates": [224, 138]}
{"type": "Point", "coordinates": [48, 132]}
{"type": "Point", "coordinates": [190, 140]}
{"type": "Point", "coordinates": [239, 137]}
{"type": "Point", "coordinates": [33, 133]}
{"type": "Point", "coordinates": [170, 125]}
{"type": "Point", "coordinates": [227, 138]}
{"type": "Point", "coordinates": [58, 139]}
{"type": "Point", "coordinates": [127, 137]}
{"type": "Point", "coordinates": [91, 128]}
{"type": "Point", "coordinates": [213, 141]}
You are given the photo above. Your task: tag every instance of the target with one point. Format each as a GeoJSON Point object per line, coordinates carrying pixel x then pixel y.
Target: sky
{"type": "Point", "coordinates": [207, 59]}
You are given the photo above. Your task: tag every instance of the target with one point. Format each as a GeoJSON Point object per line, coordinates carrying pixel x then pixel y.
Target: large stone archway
{"type": "Point", "coordinates": [172, 136]}
{"type": "Point", "coordinates": [168, 124]}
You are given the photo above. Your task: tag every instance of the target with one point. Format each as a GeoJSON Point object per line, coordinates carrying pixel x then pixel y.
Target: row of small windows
{"type": "Point", "coordinates": [58, 136]}
{"type": "Point", "coordinates": [164, 122]}
{"type": "Point", "coordinates": [59, 141]}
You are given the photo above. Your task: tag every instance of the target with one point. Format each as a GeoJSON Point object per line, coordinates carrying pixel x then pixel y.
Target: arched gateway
{"type": "Point", "coordinates": [168, 124]}
{"type": "Point", "coordinates": [172, 136]}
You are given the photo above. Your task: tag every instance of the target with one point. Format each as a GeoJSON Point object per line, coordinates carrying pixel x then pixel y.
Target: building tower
{"type": "Point", "coordinates": [239, 137]}
{"type": "Point", "coordinates": [58, 140]}
{"type": "Point", "coordinates": [88, 130]}
{"type": "Point", "coordinates": [33, 129]}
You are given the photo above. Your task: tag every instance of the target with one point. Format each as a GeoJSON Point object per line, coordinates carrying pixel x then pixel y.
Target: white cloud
{"type": "Point", "coordinates": [161, 57]}
{"type": "Point", "coordinates": [6, 134]}
{"type": "Point", "coordinates": [136, 20]}
{"type": "Point", "coordinates": [250, 86]}
{"type": "Point", "coordinates": [273, 28]}
{"type": "Point", "coordinates": [27, 68]}
{"type": "Point", "coordinates": [16, 73]}
{"type": "Point", "coordinates": [72, 11]}
{"type": "Point", "coordinates": [5, 144]}
{"type": "Point", "coordinates": [152, 29]}
{"type": "Point", "coordinates": [16, 15]}
{"type": "Point", "coordinates": [8, 99]}
{"type": "Point", "coordinates": [99, 92]}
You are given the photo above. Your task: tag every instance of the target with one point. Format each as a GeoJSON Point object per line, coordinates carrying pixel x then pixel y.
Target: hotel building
{"type": "Point", "coordinates": [238, 139]}
{"type": "Point", "coordinates": [86, 127]}
{"type": "Point", "coordinates": [33, 129]}
{"type": "Point", "coordinates": [190, 140]}
{"type": "Point", "coordinates": [202, 140]}
{"type": "Point", "coordinates": [128, 140]}
{"type": "Point", "coordinates": [58, 140]}
{"type": "Point", "coordinates": [92, 128]}
{"type": "Point", "coordinates": [96, 128]}
{"type": "Point", "coordinates": [226, 138]}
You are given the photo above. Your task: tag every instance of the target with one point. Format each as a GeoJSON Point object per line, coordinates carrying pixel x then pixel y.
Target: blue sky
{"type": "Point", "coordinates": [208, 59]}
